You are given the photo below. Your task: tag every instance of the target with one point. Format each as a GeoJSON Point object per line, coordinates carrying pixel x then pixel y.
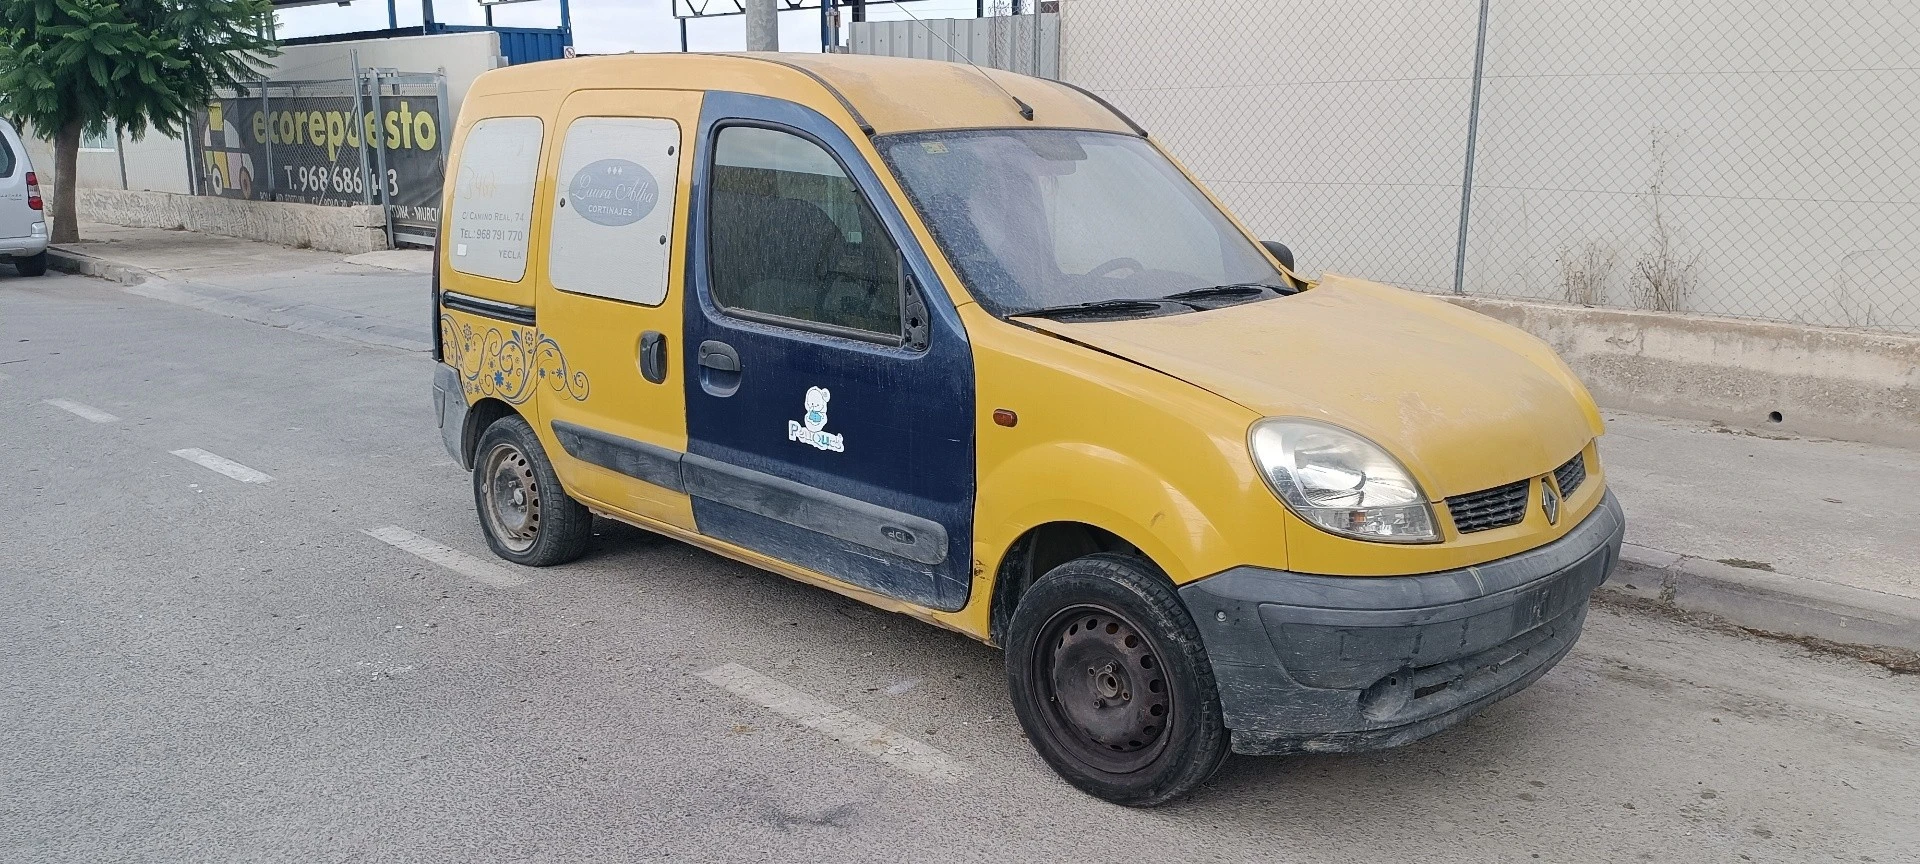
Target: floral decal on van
{"type": "Point", "coordinates": [508, 363]}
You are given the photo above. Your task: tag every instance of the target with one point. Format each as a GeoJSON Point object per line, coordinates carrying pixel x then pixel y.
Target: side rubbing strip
{"type": "Point", "coordinates": [850, 519]}
{"type": "Point", "coordinates": [637, 459]}
{"type": "Point", "coordinates": [490, 308]}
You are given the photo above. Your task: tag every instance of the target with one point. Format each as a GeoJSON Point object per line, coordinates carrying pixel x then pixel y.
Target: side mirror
{"type": "Point", "coordinates": [1280, 252]}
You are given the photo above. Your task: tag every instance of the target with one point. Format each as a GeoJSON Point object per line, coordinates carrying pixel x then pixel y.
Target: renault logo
{"type": "Point", "coordinates": [1550, 499]}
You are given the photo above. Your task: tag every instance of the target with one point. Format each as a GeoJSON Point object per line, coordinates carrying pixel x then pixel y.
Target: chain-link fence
{"type": "Point", "coordinates": [1755, 158]}
{"type": "Point", "coordinates": [380, 139]}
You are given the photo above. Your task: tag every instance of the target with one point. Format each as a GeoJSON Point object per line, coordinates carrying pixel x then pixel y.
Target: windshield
{"type": "Point", "coordinates": [1044, 218]}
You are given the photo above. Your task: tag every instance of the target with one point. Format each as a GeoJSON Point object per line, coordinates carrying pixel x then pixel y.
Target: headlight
{"type": "Point", "coordinates": [1341, 482]}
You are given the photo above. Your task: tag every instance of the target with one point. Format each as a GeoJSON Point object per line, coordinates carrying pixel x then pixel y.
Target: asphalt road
{"type": "Point", "coordinates": [203, 668]}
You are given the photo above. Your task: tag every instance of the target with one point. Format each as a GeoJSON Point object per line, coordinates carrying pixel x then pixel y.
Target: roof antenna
{"type": "Point", "coordinates": [1026, 111]}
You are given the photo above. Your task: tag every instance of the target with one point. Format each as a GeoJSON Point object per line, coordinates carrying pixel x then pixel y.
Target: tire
{"type": "Point", "coordinates": [1144, 726]}
{"type": "Point", "coordinates": [527, 517]}
{"type": "Point", "coordinates": [31, 265]}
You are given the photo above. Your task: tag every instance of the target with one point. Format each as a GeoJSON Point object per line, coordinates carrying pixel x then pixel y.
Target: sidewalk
{"type": "Point", "coordinates": [376, 297]}
{"type": "Point", "coordinates": [1799, 537]}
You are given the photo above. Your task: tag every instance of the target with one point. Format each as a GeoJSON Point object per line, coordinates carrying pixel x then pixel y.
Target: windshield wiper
{"type": "Point", "coordinates": [1235, 291]}
{"type": "Point", "coordinates": [1115, 308]}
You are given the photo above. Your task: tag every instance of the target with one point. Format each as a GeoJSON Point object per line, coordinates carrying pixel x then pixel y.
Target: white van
{"type": "Point", "coordinates": [23, 223]}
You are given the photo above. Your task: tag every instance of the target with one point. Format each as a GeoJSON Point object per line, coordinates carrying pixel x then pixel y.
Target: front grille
{"type": "Point", "coordinates": [1571, 475]}
{"type": "Point", "coordinates": [1491, 508]}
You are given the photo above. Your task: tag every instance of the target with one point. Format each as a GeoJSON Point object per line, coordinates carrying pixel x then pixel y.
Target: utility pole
{"type": "Point", "coordinates": [763, 25]}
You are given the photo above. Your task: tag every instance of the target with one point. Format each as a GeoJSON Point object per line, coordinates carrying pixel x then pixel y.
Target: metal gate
{"type": "Point", "coordinates": [379, 138]}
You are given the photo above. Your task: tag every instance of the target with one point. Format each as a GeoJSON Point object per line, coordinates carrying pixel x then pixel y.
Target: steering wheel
{"type": "Point", "coordinates": [1116, 264]}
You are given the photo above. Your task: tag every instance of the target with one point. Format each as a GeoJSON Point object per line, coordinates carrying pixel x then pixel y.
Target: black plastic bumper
{"type": "Point", "coordinates": [450, 407]}
{"type": "Point", "coordinates": [1332, 664]}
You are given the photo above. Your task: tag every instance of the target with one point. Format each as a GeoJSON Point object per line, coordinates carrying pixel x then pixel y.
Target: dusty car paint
{"type": "Point", "coordinates": [1136, 427]}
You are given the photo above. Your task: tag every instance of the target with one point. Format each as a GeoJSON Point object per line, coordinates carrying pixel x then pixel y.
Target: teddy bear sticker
{"type": "Point", "coordinates": [812, 430]}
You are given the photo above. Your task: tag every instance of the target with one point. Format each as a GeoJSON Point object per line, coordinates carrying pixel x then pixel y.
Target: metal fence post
{"type": "Point", "coordinates": [1036, 39]}
{"type": "Point", "coordinates": [1473, 134]}
{"type": "Point", "coordinates": [266, 109]}
{"type": "Point", "coordinates": [360, 117]}
{"type": "Point", "coordinates": [446, 146]}
{"type": "Point", "coordinates": [380, 155]}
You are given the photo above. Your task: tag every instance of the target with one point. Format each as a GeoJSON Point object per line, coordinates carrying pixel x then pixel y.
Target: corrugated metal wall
{"type": "Point", "coordinates": [1001, 42]}
{"type": "Point", "coordinates": [520, 44]}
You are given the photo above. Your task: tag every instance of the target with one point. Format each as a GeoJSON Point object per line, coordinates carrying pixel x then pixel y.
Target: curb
{"type": "Point", "coordinates": [1764, 601]}
{"type": "Point", "coordinates": [69, 261]}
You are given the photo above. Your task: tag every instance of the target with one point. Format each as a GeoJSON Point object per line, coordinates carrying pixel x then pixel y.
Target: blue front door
{"type": "Point", "coordinates": [829, 392]}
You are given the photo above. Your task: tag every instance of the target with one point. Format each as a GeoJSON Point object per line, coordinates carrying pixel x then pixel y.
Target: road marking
{"type": "Point", "coordinates": [479, 570]}
{"type": "Point", "coordinates": [837, 723]}
{"type": "Point", "coordinates": [222, 465]}
{"type": "Point", "coordinates": [87, 412]}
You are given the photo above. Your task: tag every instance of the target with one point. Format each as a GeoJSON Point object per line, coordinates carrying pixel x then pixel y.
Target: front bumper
{"type": "Point", "coordinates": [1334, 664]}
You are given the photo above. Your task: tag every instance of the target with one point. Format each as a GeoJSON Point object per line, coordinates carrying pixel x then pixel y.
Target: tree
{"type": "Point", "coordinates": [72, 67]}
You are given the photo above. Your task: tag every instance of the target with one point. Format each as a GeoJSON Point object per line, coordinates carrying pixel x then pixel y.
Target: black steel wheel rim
{"type": "Point", "coordinates": [1105, 699]}
{"type": "Point", "coordinates": [510, 496]}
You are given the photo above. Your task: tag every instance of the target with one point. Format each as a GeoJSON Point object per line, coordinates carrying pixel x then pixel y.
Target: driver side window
{"type": "Point", "coordinates": [793, 238]}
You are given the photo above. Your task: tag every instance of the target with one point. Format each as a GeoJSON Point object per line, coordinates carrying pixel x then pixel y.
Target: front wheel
{"type": "Point", "coordinates": [1110, 680]}
{"type": "Point", "coordinates": [527, 517]}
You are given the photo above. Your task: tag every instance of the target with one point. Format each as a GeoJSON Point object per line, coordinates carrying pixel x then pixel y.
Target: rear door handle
{"type": "Point", "coordinates": [719, 356]}
{"type": "Point", "coordinates": [653, 356]}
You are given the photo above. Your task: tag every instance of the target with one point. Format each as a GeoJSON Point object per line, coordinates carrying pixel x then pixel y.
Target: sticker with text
{"type": "Point", "coordinates": [812, 430]}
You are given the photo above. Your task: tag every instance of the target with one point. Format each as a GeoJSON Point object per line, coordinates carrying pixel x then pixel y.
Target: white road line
{"type": "Point", "coordinates": [479, 570]}
{"type": "Point", "coordinates": [223, 465]}
{"type": "Point", "coordinates": [837, 723]}
{"type": "Point", "coordinates": [87, 412]}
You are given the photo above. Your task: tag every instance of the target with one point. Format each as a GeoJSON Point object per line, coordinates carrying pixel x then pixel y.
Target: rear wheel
{"type": "Point", "coordinates": [1110, 680]}
{"type": "Point", "coordinates": [31, 265]}
{"type": "Point", "coordinates": [527, 517]}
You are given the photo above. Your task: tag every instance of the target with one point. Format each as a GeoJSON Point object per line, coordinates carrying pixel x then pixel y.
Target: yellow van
{"type": "Point", "coordinates": [968, 346]}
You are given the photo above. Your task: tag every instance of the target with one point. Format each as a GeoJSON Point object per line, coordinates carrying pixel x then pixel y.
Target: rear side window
{"type": "Point", "coordinates": [613, 208]}
{"type": "Point", "coordinates": [7, 159]}
{"type": "Point", "coordinates": [793, 237]}
{"type": "Point", "coordinates": [493, 198]}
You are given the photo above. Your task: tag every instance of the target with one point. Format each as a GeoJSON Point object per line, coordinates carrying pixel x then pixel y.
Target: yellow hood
{"type": "Point", "coordinates": [1465, 401]}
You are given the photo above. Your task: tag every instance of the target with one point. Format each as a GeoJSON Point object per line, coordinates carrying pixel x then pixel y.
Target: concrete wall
{"type": "Point", "coordinates": [1820, 381]}
{"type": "Point", "coordinates": [155, 163]}
{"type": "Point", "coordinates": [464, 56]}
{"type": "Point", "coordinates": [351, 230]}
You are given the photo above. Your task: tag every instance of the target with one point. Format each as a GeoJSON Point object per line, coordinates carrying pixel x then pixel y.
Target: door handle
{"type": "Point", "coordinates": [653, 356]}
{"type": "Point", "coordinates": [719, 356]}
{"type": "Point", "coordinates": [719, 368]}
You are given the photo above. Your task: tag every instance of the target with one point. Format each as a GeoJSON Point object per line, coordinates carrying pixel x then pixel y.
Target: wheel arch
{"type": "Point", "coordinates": [481, 414]}
{"type": "Point", "coordinates": [1040, 549]}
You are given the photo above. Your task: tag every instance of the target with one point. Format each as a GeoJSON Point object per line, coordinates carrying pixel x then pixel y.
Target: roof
{"type": "Point", "coordinates": [888, 94]}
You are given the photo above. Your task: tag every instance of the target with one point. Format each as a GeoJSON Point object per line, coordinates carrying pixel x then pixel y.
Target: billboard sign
{"type": "Point", "coordinates": [305, 149]}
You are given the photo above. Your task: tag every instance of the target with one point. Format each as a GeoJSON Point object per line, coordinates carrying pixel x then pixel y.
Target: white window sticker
{"type": "Point", "coordinates": [613, 208]}
{"type": "Point", "coordinates": [493, 197]}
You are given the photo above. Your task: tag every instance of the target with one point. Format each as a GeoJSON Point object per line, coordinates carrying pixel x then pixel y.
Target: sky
{"type": "Point", "coordinates": [603, 26]}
